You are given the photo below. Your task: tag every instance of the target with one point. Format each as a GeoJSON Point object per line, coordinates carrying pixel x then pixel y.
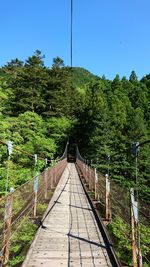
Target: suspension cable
{"type": "Point", "coordinates": [71, 33]}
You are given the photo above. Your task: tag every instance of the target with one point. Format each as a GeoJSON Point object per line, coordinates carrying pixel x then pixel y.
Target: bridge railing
{"type": "Point", "coordinates": [88, 174]}
{"type": "Point", "coordinates": [24, 202]}
{"type": "Point", "coordinates": [115, 205]}
{"type": "Point", "coordinates": [2, 213]}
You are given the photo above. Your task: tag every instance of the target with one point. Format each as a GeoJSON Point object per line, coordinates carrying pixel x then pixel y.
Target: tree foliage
{"type": "Point", "coordinates": [42, 107]}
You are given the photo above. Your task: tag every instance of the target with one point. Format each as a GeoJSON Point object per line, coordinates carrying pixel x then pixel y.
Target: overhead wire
{"type": "Point", "coordinates": [71, 34]}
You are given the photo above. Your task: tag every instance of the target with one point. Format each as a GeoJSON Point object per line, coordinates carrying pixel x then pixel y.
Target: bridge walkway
{"type": "Point", "coordinates": [69, 235]}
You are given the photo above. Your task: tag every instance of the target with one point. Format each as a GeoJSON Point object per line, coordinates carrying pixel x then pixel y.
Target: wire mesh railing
{"type": "Point", "coordinates": [115, 207]}
{"type": "Point", "coordinates": [2, 214]}
{"type": "Point", "coordinates": [23, 202]}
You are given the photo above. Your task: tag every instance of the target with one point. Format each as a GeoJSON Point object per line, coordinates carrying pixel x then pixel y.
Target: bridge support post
{"type": "Point", "coordinates": [7, 227]}
{"type": "Point", "coordinates": [46, 183]}
{"type": "Point", "coordinates": [136, 250]}
{"type": "Point", "coordinates": [86, 171]}
{"type": "Point", "coordinates": [35, 204]}
{"type": "Point", "coordinates": [86, 175]}
{"type": "Point", "coordinates": [36, 182]}
{"type": "Point", "coordinates": [96, 181]}
{"type": "Point", "coordinates": [90, 178]}
{"type": "Point", "coordinates": [54, 174]}
{"type": "Point", "coordinates": [108, 206]}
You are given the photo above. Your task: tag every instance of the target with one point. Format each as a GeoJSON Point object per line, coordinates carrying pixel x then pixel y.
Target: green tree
{"type": "Point", "coordinates": [60, 94]}
{"type": "Point", "coordinates": [57, 63]}
{"type": "Point", "coordinates": [29, 85]}
{"type": "Point", "coordinates": [133, 77]}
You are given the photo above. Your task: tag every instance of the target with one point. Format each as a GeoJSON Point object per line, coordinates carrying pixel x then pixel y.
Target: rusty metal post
{"type": "Point", "coordinates": [89, 175]}
{"type": "Point", "coordinates": [135, 224]}
{"type": "Point", "coordinates": [87, 172]}
{"type": "Point", "coordinates": [134, 246]}
{"type": "Point", "coordinates": [7, 228]}
{"type": "Point", "coordinates": [35, 204]}
{"type": "Point", "coordinates": [108, 207]}
{"type": "Point", "coordinates": [46, 179]}
{"type": "Point", "coordinates": [51, 174]}
{"type": "Point", "coordinates": [36, 182]}
{"type": "Point", "coordinates": [96, 181]}
{"type": "Point", "coordinates": [46, 183]}
{"type": "Point", "coordinates": [90, 179]}
{"type": "Point", "coordinates": [55, 173]}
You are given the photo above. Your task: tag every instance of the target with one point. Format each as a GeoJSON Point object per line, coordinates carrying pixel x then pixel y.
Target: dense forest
{"type": "Point", "coordinates": [42, 107]}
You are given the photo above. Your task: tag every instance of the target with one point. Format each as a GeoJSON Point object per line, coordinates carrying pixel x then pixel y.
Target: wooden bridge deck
{"type": "Point", "coordinates": [71, 236]}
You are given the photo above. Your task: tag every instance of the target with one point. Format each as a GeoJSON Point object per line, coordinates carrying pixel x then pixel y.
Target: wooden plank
{"type": "Point", "coordinates": [71, 237]}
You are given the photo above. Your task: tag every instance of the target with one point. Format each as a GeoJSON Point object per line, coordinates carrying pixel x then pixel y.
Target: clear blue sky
{"type": "Point", "coordinates": [109, 36]}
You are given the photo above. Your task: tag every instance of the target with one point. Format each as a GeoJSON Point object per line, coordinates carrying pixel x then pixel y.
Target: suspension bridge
{"type": "Point", "coordinates": [73, 229]}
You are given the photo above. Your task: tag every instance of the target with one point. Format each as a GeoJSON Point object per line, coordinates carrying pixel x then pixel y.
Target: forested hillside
{"type": "Point", "coordinates": [41, 107]}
